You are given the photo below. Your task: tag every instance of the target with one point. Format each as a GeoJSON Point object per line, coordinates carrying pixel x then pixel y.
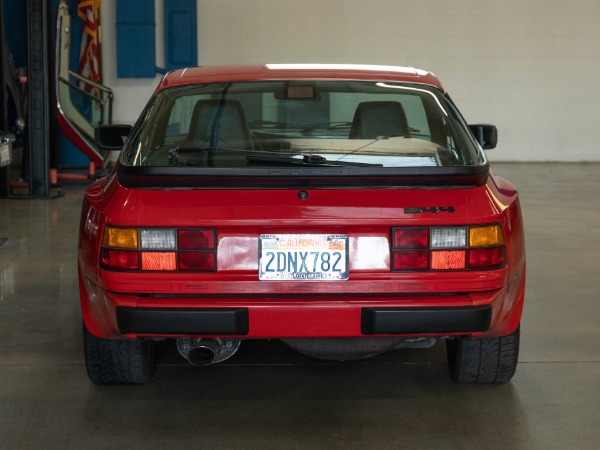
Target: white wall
{"type": "Point", "coordinates": [530, 67]}
{"type": "Point", "coordinates": [130, 94]}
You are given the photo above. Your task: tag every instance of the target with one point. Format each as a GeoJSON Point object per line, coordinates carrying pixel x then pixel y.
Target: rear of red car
{"type": "Point", "coordinates": [304, 204]}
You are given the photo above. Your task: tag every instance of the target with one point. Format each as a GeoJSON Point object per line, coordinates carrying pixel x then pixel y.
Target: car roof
{"type": "Point", "coordinates": [263, 72]}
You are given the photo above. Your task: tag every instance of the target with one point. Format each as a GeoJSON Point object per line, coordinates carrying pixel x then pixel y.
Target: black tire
{"type": "Point", "coordinates": [492, 360]}
{"type": "Point", "coordinates": [111, 361]}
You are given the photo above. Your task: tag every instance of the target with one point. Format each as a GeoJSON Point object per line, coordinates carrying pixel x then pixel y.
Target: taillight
{"type": "Point", "coordinates": [196, 250]}
{"type": "Point", "coordinates": [448, 248]}
{"type": "Point", "coordinates": [411, 238]}
{"type": "Point", "coordinates": [410, 260]}
{"type": "Point", "coordinates": [486, 258]}
{"type": "Point", "coordinates": [119, 259]}
{"type": "Point", "coordinates": [197, 261]}
{"type": "Point", "coordinates": [158, 249]}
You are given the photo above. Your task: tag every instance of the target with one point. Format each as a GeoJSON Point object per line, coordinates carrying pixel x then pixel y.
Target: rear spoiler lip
{"type": "Point", "coordinates": [159, 177]}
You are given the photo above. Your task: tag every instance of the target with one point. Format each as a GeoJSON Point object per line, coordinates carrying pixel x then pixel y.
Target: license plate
{"type": "Point", "coordinates": [303, 257]}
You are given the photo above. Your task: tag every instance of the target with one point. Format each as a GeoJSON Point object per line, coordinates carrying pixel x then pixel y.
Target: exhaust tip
{"type": "Point", "coordinates": [201, 355]}
{"type": "Point", "coordinates": [205, 351]}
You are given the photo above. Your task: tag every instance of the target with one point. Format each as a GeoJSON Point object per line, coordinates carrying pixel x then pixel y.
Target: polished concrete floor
{"type": "Point", "coordinates": [270, 397]}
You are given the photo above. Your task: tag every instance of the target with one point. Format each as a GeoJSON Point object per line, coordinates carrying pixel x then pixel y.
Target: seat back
{"type": "Point", "coordinates": [379, 118]}
{"type": "Point", "coordinates": [220, 123]}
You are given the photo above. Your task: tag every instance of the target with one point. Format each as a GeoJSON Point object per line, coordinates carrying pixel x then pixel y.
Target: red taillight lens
{"type": "Point", "coordinates": [196, 239]}
{"type": "Point", "coordinates": [407, 242]}
{"type": "Point", "coordinates": [193, 240]}
{"type": "Point", "coordinates": [119, 259]}
{"type": "Point", "coordinates": [410, 260]}
{"type": "Point", "coordinates": [197, 261]}
{"type": "Point", "coordinates": [486, 258]}
{"type": "Point", "coordinates": [411, 238]}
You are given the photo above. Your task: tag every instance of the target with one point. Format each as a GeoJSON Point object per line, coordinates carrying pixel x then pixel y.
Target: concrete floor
{"type": "Point", "coordinates": [270, 397]}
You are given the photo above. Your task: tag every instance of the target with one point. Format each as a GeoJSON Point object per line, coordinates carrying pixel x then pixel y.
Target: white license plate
{"type": "Point", "coordinates": [303, 257]}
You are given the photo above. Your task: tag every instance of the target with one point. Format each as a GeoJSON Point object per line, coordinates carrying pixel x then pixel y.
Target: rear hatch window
{"type": "Point", "coordinates": [301, 129]}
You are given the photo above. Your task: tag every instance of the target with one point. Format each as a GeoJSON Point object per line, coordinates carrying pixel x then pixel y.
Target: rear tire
{"type": "Point", "coordinates": [491, 360]}
{"type": "Point", "coordinates": [112, 361]}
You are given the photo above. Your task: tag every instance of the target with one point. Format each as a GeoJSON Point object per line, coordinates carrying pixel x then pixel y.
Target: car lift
{"type": "Point", "coordinates": [38, 129]}
{"type": "Point", "coordinates": [49, 99]}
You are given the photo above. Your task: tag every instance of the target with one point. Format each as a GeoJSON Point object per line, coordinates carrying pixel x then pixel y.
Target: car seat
{"type": "Point", "coordinates": [379, 119]}
{"type": "Point", "coordinates": [220, 123]}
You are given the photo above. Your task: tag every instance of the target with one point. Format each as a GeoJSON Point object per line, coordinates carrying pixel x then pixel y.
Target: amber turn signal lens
{"type": "Point", "coordinates": [487, 236]}
{"type": "Point", "coordinates": [120, 237]}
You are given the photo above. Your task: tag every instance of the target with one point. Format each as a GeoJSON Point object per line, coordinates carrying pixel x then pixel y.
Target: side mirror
{"type": "Point", "coordinates": [486, 135]}
{"type": "Point", "coordinates": [111, 137]}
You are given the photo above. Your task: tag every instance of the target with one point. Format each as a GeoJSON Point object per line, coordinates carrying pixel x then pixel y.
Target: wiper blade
{"type": "Point", "coordinates": [306, 160]}
{"type": "Point", "coordinates": [176, 151]}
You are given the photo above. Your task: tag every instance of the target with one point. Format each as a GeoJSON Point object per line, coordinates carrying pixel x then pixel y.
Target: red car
{"type": "Point", "coordinates": [346, 210]}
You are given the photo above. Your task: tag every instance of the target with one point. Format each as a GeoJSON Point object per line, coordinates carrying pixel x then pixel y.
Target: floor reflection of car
{"type": "Point", "coordinates": [346, 210]}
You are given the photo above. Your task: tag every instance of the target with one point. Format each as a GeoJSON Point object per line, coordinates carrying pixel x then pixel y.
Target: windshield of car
{"type": "Point", "coordinates": [301, 123]}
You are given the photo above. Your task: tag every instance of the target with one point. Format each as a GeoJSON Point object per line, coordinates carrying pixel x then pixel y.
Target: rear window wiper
{"type": "Point", "coordinates": [176, 151]}
{"type": "Point", "coordinates": [305, 160]}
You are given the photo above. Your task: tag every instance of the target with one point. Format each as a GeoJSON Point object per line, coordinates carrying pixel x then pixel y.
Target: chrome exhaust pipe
{"type": "Point", "coordinates": [202, 352]}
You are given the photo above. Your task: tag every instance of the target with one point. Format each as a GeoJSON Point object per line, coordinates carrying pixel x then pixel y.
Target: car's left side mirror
{"type": "Point", "coordinates": [486, 135]}
{"type": "Point", "coordinates": [111, 137]}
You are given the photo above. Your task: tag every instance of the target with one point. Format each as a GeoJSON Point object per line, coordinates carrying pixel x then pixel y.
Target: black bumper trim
{"type": "Point", "coordinates": [214, 321]}
{"type": "Point", "coordinates": [426, 320]}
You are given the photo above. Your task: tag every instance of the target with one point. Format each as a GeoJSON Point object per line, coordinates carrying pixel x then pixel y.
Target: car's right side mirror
{"type": "Point", "coordinates": [486, 135]}
{"type": "Point", "coordinates": [111, 137]}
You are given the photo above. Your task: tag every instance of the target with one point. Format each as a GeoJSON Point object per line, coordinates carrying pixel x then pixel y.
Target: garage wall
{"type": "Point", "coordinates": [532, 68]}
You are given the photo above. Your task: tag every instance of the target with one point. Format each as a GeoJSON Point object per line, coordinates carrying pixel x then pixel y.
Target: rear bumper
{"type": "Point", "coordinates": [236, 321]}
{"type": "Point", "coordinates": [114, 315]}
